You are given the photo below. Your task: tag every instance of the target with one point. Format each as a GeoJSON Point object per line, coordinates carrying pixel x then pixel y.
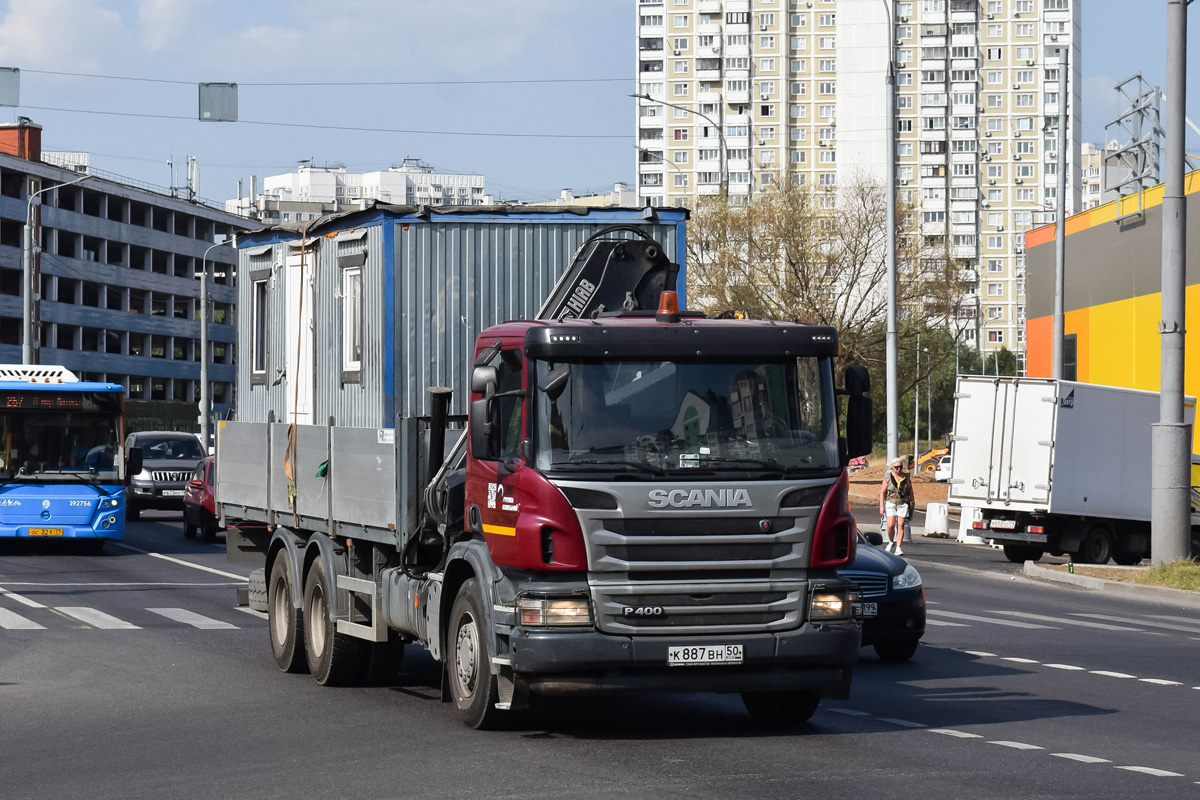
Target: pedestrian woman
{"type": "Point", "coordinates": [895, 503]}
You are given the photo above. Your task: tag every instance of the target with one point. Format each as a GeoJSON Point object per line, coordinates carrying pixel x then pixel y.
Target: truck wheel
{"type": "Point", "coordinates": [382, 662]}
{"type": "Point", "coordinates": [1020, 553]}
{"type": "Point", "coordinates": [284, 621]}
{"type": "Point", "coordinates": [334, 659]}
{"type": "Point", "coordinates": [781, 708]}
{"type": "Point", "coordinates": [896, 652]}
{"type": "Point", "coordinates": [1127, 559]}
{"type": "Point", "coordinates": [472, 685]}
{"type": "Point", "coordinates": [1097, 546]}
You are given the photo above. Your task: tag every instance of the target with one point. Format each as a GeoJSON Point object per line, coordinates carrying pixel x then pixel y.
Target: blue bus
{"type": "Point", "coordinates": [62, 468]}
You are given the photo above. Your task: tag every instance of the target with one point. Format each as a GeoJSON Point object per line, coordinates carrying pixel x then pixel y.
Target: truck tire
{"type": "Point", "coordinates": [334, 659]}
{"type": "Point", "coordinates": [1020, 553]}
{"type": "Point", "coordinates": [897, 652]}
{"type": "Point", "coordinates": [382, 661]}
{"type": "Point", "coordinates": [285, 622]}
{"type": "Point", "coordinates": [472, 684]}
{"type": "Point", "coordinates": [784, 709]}
{"type": "Point", "coordinates": [1097, 546]}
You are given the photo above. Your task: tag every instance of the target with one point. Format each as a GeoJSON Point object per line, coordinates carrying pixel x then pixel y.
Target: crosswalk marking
{"type": "Point", "coordinates": [1168, 626]}
{"type": "Point", "coordinates": [97, 619]}
{"type": "Point", "coordinates": [22, 600]}
{"type": "Point", "coordinates": [12, 621]}
{"type": "Point", "coordinates": [1011, 623]}
{"type": "Point", "coordinates": [1082, 758]}
{"type": "Point", "coordinates": [1079, 622]}
{"type": "Point", "coordinates": [192, 618]}
{"type": "Point", "coordinates": [252, 612]}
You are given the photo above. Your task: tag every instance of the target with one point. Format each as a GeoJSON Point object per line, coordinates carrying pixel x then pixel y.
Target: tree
{"type": "Point", "coordinates": [819, 256]}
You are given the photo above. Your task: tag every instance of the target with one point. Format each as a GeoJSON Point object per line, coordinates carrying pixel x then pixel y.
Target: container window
{"type": "Point", "coordinates": [260, 329]}
{"type": "Point", "coordinates": [352, 319]}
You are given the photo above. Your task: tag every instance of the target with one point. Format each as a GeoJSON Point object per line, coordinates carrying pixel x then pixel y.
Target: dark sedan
{"type": "Point", "coordinates": [893, 600]}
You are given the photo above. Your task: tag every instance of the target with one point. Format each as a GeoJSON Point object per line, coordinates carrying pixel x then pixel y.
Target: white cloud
{"type": "Point", "coordinates": [164, 24]}
{"type": "Point", "coordinates": [58, 34]}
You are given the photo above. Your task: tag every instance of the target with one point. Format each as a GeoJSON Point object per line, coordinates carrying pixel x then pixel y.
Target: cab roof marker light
{"type": "Point", "coordinates": [668, 307]}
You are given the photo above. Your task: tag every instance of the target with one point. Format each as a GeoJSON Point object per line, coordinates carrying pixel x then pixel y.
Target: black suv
{"type": "Point", "coordinates": [168, 461]}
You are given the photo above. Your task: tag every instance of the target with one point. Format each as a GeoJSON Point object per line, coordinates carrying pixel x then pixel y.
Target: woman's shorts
{"type": "Point", "coordinates": [895, 509]}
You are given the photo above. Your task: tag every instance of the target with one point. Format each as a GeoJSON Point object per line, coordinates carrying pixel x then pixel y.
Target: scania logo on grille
{"type": "Point", "coordinates": [699, 498]}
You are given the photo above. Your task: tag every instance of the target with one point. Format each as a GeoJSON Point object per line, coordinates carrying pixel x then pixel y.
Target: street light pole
{"type": "Point", "coordinates": [720, 134]}
{"type": "Point", "coordinates": [27, 270]}
{"type": "Point", "coordinates": [892, 371]}
{"type": "Point", "coordinates": [1060, 227]}
{"type": "Point", "coordinates": [205, 398]}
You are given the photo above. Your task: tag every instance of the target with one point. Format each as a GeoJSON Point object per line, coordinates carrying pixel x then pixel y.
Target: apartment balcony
{"type": "Point", "coordinates": [708, 97]}
{"type": "Point", "coordinates": [709, 52]}
{"type": "Point", "coordinates": [963, 251]}
{"type": "Point", "coordinates": [708, 29]}
{"type": "Point", "coordinates": [708, 74]}
{"type": "Point", "coordinates": [734, 98]}
{"type": "Point", "coordinates": [709, 6]}
{"type": "Point", "coordinates": [967, 275]}
{"type": "Point", "coordinates": [737, 119]}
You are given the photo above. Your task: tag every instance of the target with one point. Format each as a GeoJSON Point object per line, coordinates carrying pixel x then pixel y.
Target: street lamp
{"type": "Point", "coordinates": [720, 133]}
{"type": "Point", "coordinates": [27, 270]}
{"type": "Point", "coordinates": [892, 374]}
{"type": "Point", "coordinates": [205, 399]}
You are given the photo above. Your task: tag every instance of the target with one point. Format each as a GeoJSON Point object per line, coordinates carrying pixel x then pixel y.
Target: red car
{"type": "Point", "coordinates": [199, 508]}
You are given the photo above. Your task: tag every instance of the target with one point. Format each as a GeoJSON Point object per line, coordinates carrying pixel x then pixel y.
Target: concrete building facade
{"type": "Point", "coordinates": [794, 90]}
{"type": "Point", "coordinates": [313, 190]}
{"type": "Point", "coordinates": [116, 281]}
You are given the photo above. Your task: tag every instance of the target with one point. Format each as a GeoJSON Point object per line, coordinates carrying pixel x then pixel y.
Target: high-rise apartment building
{"type": "Point", "coordinates": [751, 91]}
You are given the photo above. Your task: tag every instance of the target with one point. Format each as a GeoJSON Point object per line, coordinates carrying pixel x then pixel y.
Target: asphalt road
{"type": "Point", "coordinates": [1021, 690]}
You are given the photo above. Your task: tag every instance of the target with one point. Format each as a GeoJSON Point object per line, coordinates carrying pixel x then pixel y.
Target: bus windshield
{"type": "Point", "coordinates": [680, 416]}
{"type": "Point", "coordinates": [75, 442]}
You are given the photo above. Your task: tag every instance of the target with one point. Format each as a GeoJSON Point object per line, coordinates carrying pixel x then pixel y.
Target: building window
{"type": "Point", "coordinates": [352, 313]}
{"type": "Point", "coordinates": [996, 337]}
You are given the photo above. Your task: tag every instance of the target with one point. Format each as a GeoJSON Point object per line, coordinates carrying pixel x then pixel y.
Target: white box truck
{"type": "Point", "coordinates": [1056, 466]}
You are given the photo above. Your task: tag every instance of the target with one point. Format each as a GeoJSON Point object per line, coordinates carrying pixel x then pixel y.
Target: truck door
{"type": "Point", "coordinates": [1024, 475]}
{"type": "Point", "coordinates": [299, 345]}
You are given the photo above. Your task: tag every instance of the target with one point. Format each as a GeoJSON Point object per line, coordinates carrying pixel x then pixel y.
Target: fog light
{"type": "Point", "coordinates": [829, 605]}
{"type": "Point", "coordinates": [106, 522]}
{"type": "Point", "coordinates": [113, 503]}
{"type": "Point", "coordinates": [545, 611]}
{"type": "Point", "coordinates": [112, 520]}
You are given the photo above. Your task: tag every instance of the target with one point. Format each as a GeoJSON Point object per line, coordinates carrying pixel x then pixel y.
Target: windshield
{"type": "Point", "coordinates": [155, 449]}
{"type": "Point", "coordinates": [675, 416]}
{"type": "Point", "coordinates": [58, 446]}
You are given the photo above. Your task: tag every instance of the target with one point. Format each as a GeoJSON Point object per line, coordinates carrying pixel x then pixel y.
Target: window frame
{"type": "Point", "coordinates": [260, 326]}
{"type": "Point", "coordinates": [351, 371]}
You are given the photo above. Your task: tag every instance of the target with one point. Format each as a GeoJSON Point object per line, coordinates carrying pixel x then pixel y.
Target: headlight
{"type": "Point", "coordinates": [544, 611]}
{"type": "Point", "coordinates": [830, 605]}
{"type": "Point", "coordinates": [144, 475]}
{"type": "Point", "coordinates": [907, 579]}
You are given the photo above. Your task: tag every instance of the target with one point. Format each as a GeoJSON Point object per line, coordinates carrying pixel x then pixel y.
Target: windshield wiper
{"type": "Point", "coordinates": [765, 463]}
{"type": "Point", "coordinates": [584, 462]}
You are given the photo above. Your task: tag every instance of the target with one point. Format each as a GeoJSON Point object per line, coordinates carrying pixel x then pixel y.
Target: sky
{"type": "Point", "coordinates": [574, 133]}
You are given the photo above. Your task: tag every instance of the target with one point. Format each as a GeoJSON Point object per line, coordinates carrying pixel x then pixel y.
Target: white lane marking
{"type": "Point", "coordinates": [1158, 773]}
{"type": "Point", "coordinates": [1188, 620]}
{"type": "Point", "coordinates": [193, 619]}
{"type": "Point", "coordinates": [12, 621]}
{"type": "Point", "coordinates": [1063, 666]}
{"type": "Point", "coordinates": [1010, 623]}
{"type": "Point", "coordinates": [903, 723]}
{"type": "Point", "coordinates": [1081, 623]}
{"type": "Point", "coordinates": [1167, 626]}
{"type": "Point", "coordinates": [97, 619]}
{"type": "Point", "coordinates": [20, 599]}
{"type": "Point", "coordinates": [979, 653]}
{"type": "Point", "coordinates": [1160, 682]}
{"type": "Point", "coordinates": [1018, 745]}
{"type": "Point", "coordinates": [1020, 660]}
{"type": "Point", "coordinates": [849, 712]}
{"type": "Point", "coordinates": [1108, 674]}
{"type": "Point", "coordinates": [263, 615]}
{"type": "Point", "coordinates": [181, 562]}
{"type": "Point", "coordinates": [954, 733]}
{"type": "Point", "coordinates": [943, 624]}
{"type": "Point", "coordinates": [1082, 758]}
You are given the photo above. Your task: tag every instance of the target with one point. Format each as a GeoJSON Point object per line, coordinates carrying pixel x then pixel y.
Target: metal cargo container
{"type": "Point", "coordinates": [347, 320]}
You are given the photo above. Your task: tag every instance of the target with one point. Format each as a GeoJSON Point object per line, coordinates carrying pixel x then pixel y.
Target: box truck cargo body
{"type": "Point", "coordinates": [1056, 466]}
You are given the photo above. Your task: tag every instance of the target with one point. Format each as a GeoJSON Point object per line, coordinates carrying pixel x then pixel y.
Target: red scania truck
{"type": "Point", "coordinates": [630, 497]}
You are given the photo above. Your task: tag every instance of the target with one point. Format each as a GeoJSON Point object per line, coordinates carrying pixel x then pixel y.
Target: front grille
{"type": "Point", "coordinates": [871, 584]}
{"type": "Point", "coordinates": [675, 609]}
{"type": "Point", "coordinates": [169, 476]}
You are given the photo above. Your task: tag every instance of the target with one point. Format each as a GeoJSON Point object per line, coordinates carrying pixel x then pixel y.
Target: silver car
{"type": "Point", "coordinates": [168, 461]}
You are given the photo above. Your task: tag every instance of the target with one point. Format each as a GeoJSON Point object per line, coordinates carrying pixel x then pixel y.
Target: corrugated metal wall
{"type": "Point", "coordinates": [253, 402]}
{"type": "Point", "coordinates": [454, 279]}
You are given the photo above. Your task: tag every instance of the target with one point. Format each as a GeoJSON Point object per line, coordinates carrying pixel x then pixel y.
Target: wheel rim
{"type": "Point", "coordinates": [279, 610]}
{"type": "Point", "coordinates": [316, 617]}
{"type": "Point", "coordinates": [466, 648]}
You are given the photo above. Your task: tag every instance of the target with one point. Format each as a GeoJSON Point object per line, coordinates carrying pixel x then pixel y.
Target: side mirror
{"type": "Point", "coordinates": [484, 432]}
{"type": "Point", "coordinates": [133, 462]}
{"type": "Point", "coordinates": [859, 426]}
{"type": "Point", "coordinates": [874, 537]}
{"type": "Point", "coordinates": [554, 381]}
{"type": "Point", "coordinates": [484, 381]}
{"type": "Point", "coordinates": [858, 380]}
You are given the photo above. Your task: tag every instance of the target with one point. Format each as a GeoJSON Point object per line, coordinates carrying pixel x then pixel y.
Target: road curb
{"type": "Point", "coordinates": [1161, 594]}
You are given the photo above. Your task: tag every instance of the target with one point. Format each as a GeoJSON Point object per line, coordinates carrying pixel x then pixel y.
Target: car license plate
{"type": "Point", "coordinates": [1004, 524]}
{"type": "Point", "coordinates": [172, 493]}
{"type": "Point", "coordinates": [45, 531]}
{"type": "Point", "coordinates": [870, 609]}
{"type": "Point", "coordinates": [699, 655]}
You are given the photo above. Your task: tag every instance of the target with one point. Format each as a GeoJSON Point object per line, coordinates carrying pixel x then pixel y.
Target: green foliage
{"type": "Point", "coordinates": [1181, 574]}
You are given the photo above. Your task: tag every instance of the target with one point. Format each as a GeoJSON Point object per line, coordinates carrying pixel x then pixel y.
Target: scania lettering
{"type": "Point", "coordinates": [617, 496]}
{"type": "Point", "coordinates": [62, 466]}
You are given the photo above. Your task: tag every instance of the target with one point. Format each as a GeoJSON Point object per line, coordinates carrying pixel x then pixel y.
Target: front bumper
{"type": "Point", "coordinates": [901, 617]}
{"type": "Point", "coordinates": [148, 494]}
{"type": "Point", "coordinates": [809, 657]}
